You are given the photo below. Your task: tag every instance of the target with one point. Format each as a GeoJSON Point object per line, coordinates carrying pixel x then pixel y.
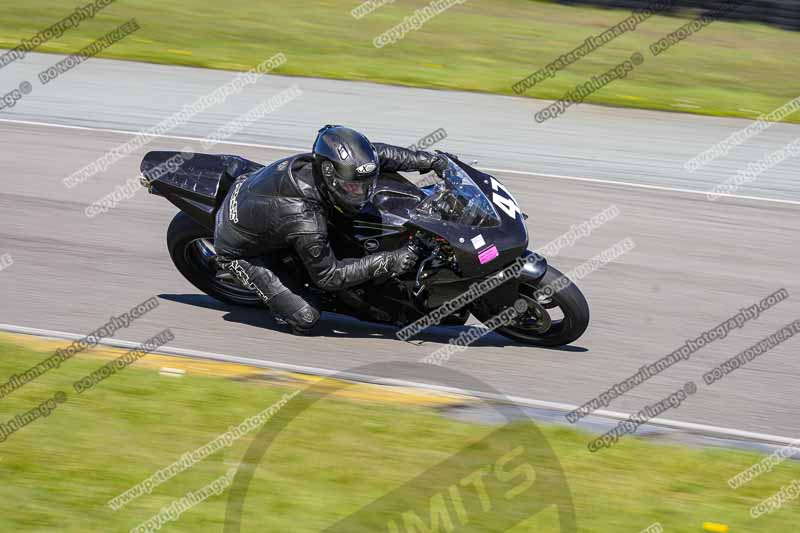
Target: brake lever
{"type": "Point", "coordinates": [419, 272]}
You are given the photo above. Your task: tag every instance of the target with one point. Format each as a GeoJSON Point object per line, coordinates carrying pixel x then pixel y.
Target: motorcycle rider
{"type": "Point", "coordinates": [287, 204]}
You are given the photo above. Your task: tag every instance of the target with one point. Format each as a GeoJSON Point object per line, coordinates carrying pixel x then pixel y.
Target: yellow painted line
{"type": "Point", "coordinates": [40, 343]}
{"type": "Point", "coordinates": [383, 393]}
{"type": "Point", "coordinates": [145, 41]}
{"type": "Point", "coordinates": [180, 52]}
{"type": "Point", "coordinates": [202, 367]}
{"type": "Point", "coordinates": [171, 372]}
{"type": "Point", "coordinates": [716, 528]}
{"type": "Point", "coordinates": [231, 66]}
{"type": "Point", "coordinates": [154, 360]}
{"type": "Point", "coordinates": [197, 367]}
{"type": "Point", "coordinates": [58, 45]}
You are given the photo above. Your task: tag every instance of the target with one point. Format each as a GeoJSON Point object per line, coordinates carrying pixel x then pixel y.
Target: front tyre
{"type": "Point", "coordinates": [191, 247]}
{"type": "Point", "coordinates": [553, 318]}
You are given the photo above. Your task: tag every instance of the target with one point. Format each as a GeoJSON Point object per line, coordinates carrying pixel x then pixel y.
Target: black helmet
{"type": "Point", "coordinates": [347, 167]}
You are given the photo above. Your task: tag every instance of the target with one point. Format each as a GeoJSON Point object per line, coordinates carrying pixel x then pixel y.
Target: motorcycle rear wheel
{"type": "Point", "coordinates": [191, 247]}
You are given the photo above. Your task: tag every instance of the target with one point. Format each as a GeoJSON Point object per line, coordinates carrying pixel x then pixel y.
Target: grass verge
{"type": "Point", "coordinates": [59, 472]}
{"type": "Point", "coordinates": [730, 69]}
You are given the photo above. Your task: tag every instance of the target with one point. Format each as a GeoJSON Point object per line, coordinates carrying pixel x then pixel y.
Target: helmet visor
{"type": "Point", "coordinates": [353, 193]}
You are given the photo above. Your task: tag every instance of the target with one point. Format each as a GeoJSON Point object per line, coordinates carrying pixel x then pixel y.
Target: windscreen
{"type": "Point", "coordinates": [458, 200]}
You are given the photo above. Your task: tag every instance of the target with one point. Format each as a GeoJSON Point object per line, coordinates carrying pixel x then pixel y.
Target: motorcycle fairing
{"type": "Point", "coordinates": [390, 218]}
{"type": "Point", "coordinates": [497, 244]}
{"type": "Point", "coordinates": [195, 183]}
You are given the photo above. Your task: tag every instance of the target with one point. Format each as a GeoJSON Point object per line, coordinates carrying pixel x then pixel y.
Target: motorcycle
{"type": "Point", "coordinates": [467, 230]}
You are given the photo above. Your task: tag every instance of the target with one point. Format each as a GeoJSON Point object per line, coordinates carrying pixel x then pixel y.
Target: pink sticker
{"type": "Point", "coordinates": [488, 254]}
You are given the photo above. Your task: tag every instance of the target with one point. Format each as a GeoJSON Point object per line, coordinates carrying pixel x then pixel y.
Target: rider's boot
{"type": "Point", "coordinates": [296, 312]}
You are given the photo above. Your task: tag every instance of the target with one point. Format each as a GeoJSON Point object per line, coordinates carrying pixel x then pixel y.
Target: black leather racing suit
{"type": "Point", "coordinates": [279, 207]}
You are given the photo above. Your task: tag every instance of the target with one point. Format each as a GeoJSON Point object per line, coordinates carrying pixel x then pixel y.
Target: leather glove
{"type": "Point", "coordinates": [439, 165]}
{"type": "Point", "coordinates": [404, 260]}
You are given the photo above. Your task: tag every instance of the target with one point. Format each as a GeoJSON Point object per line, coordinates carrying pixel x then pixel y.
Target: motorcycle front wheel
{"type": "Point", "coordinates": [557, 313]}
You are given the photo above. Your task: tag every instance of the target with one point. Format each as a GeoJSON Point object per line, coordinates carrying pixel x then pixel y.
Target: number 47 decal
{"type": "Point", "coordinates": [506, 203]}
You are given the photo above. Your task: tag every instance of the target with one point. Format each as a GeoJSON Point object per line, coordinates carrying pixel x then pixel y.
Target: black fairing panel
{"type": "Point", "coordinates": [387, 222]}
{"type": "Point", "coordinates": [510, 237]}
{"type": "Point", "coordinates": [381, 224]}
{"type": "Point", "coordinates": [195, 183]}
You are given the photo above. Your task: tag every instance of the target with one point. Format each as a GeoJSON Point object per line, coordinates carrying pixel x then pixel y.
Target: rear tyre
{"type": "Point", "coordinates": [191, 247]}
{"type": "Point", "coordinates": [553, 318]}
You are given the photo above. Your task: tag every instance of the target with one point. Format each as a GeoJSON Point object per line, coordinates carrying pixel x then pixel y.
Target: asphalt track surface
{"type": "Point", "coordinates": [696, 262]}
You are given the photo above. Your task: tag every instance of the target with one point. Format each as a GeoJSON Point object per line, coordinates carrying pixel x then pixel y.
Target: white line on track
{"type": "Point", "coordinates": [642, 186]}
{"type": "Point", "coordinates": [521, 172]}
{"type": "Point", "coordinates": [703, 429]}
